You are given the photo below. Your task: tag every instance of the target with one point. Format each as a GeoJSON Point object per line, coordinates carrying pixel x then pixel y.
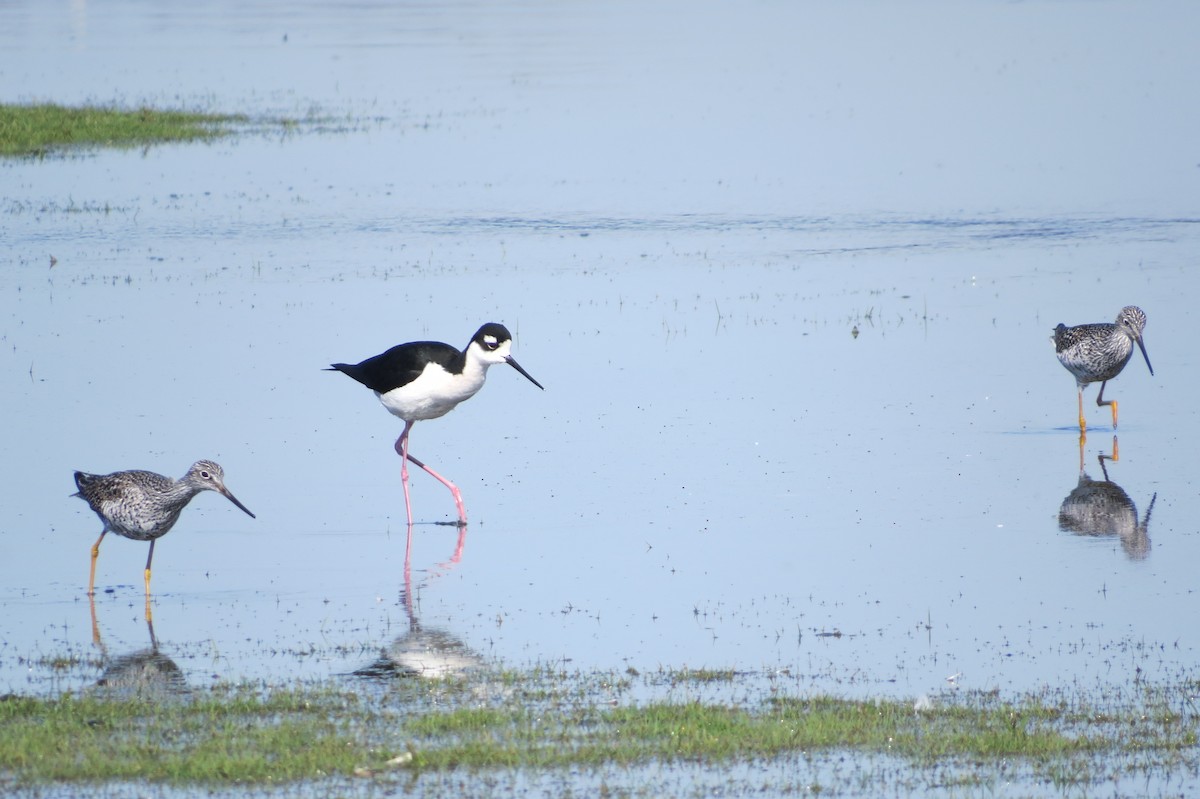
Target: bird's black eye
{"type": "Point", "coordinates": [490, 343]}
{"type": "Point", "coordinates": [204, 473]}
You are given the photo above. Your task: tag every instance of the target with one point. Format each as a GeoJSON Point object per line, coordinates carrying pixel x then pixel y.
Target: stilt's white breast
{"type": "Point", "coordinates": [434, 393]}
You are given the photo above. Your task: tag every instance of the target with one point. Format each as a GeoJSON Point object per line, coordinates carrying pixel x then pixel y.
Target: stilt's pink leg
{"type": "Point", "coordinates": [458, 502]}
{"type": "Point", "coordinates": [402, 451]}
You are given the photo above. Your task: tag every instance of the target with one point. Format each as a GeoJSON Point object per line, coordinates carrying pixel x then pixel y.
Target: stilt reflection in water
{"type": "Point", "coordinates": [424, 652]}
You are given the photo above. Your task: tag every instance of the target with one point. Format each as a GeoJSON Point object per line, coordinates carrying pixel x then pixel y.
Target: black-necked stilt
{"type": "Point", "coordinates": [427, 379]}
{"type": "Point", "coordinates": [1098, 352]}
{"type": "Point", "coordinates": [144, 506]}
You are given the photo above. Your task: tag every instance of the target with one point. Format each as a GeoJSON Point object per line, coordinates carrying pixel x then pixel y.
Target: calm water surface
{"type": "Point", "coordinates": [791, 303]}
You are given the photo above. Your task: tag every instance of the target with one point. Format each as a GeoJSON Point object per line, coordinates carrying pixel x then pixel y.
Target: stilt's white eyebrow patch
{"type": "Point", "coordinates": [490, 341]}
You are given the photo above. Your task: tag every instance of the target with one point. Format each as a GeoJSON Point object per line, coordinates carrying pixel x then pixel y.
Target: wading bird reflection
{"type": "Point", "coordinates": [1102, 508]}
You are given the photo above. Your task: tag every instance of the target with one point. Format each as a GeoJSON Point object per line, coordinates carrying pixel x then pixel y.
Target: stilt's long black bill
{"type": "Point", "coordinates": [517, 366]}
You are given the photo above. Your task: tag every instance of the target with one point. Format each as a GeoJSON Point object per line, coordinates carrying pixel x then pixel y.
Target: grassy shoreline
{"type": "Point", "coordinates": [38, 130]}
{"type": "Point", "coordinates": [540, 720]}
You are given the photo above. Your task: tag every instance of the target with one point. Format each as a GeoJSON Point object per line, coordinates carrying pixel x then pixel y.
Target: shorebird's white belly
{"type": "Point", "coordinates": [433, 394]}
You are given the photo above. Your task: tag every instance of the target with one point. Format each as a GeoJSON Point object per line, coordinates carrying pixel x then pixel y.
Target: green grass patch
{"type": "Point", "coordinates": [521, 735]}
{"type": "Point", "coordinates": [43, 129]}
{"type": "Point", "coordinates": [700, 676]}
{"type": "Point", "coordinates": [220, 736]}
{"type": "Point", "coordinates": [548, 720]}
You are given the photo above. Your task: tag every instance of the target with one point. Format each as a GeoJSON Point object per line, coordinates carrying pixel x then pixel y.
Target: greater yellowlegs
{"type": "Point", "coordinates": [427, 379]}
{"type": "Point", "coordinates": [1098, 352]}
{"type": "Point", "coordinates": [144, 506]}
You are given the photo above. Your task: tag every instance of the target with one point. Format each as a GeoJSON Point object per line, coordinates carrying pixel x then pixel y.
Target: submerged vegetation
{"type": "Point", "coordinates": [38, 130]}
{"type": "Point", "coordinates": [542, 720]}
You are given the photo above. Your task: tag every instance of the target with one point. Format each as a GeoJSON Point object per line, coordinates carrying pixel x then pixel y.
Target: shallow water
{"type": "Point", "coordinates": [791, 303]}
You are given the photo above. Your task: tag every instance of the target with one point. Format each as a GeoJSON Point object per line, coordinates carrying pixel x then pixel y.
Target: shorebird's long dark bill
{"type": "Point", "coordinates": [234, 500]}
{"type": "Point", "coordinates": [1142, 347]}
{"type": "Point", "coordinates": [512, 362]}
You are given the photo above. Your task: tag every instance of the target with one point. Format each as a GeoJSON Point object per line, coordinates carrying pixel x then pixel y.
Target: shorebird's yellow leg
{"type": "Point", "coordinates": [149, 558]}
{"type": "Point", "coordinates": [1082, 420]}
{"type": "Point", "coordinates": [1101, 401]}
{"type": "Point", "coordinates": [95, 554]}
{"type": "Point", "coordinates": [148, 619]}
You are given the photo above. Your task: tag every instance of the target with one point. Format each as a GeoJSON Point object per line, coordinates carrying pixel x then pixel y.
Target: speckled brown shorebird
{"type": "Point", "coordinates": [144, 506]}
{"type": "Point", "coordinates": [1098, 352]}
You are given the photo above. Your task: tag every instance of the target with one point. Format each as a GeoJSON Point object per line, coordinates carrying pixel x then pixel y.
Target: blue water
{"type": "Point", "coordinates": [788, 277]}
